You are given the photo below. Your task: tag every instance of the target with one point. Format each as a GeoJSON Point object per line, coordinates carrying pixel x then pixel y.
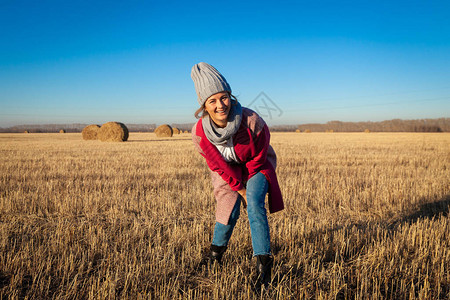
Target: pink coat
{"type": "Point", "coordinates": [251, 145]}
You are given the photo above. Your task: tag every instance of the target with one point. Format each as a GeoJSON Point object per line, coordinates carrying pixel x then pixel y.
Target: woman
{"type": "Point", "coordinates": [234, 140]}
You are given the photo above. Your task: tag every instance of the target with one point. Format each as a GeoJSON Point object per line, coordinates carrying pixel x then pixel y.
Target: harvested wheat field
{"type": "Point", "coordinates": [366, 218]}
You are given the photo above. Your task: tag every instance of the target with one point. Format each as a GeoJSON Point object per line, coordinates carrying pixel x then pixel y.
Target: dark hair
{"type": "Point", "coordinates": [201, 112]}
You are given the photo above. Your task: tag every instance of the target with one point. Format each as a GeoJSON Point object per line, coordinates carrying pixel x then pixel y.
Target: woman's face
{"type": "Point", "coordinates": [218, 106]}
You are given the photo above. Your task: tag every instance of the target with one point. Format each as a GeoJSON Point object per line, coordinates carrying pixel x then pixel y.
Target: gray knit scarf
{"type": "Point", "coordinates": [217, 135]}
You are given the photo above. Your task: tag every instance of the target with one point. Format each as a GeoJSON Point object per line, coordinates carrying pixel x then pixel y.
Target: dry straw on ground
{"type": "Point", "coordinates": [164, 130]}
{"type": "Point", "coordinates": [90, 132]}
{"type": "Point", "coordinates": [113, 132]}
{"type": "Point", "coordinates": [367, 217]}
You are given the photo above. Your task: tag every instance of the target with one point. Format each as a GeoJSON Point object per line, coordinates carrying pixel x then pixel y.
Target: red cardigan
{"type": "Point", "coordinates": [252, 148]}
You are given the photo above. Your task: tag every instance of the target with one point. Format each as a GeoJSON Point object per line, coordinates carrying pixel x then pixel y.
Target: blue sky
{"type": "Point", "coordinates": [130, 61]}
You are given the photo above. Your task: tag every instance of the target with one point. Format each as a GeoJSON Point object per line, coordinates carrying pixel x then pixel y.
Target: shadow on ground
{"type": "Point", "coordinates": [367, 231]}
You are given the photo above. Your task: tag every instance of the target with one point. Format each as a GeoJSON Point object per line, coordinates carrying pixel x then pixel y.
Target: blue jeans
{"type": "Point", "coordinates": [257, 187]}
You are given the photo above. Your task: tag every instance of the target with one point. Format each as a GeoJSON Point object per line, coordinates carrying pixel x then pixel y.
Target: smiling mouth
{"type": "Point", "coordinates": [221, 111]}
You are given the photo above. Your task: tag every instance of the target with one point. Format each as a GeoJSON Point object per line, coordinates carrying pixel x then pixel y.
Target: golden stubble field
{"type": "Point", "coordinates": [366, 217]}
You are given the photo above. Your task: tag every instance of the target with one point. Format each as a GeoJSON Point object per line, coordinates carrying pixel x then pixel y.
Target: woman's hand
{"type": "Point", "coordinates": [243, 193]}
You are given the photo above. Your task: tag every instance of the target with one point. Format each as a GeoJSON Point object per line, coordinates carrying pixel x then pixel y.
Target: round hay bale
{"type": "Point", "coordinates": [62, 131]}
{"type": "Point", "coordinates": [90, 132]}
{"type": "Point", "coordinates": [297, 130]}
{"type": "Point", "coordinates": [26, 131]}
{"type": "Point", "coordinates": [164, 131]}
{"type": "Point", "coordinates": [175, 130]}
{"type": "Point", "coordinates": [367, 131]}
{"type": "Point", "coordinates": [186, 131]}
{"type": "Point", "coordinates": [307, 131]}
{"type": "Point", "coordinates": [113, 132]}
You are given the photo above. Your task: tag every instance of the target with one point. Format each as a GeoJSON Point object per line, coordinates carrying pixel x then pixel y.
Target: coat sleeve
{"type": "Point", "coordinates": [234, 180]}
{"type": "Point", "coordinates": [261, 145]}
{"type": "Point", "coordinates": [230, 174]}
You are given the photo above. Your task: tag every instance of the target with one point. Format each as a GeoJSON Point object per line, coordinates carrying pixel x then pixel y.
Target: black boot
{"type": "Point", "coordinates": [264, 270]}
{"type": "Point", "coordinates": [216, 254]}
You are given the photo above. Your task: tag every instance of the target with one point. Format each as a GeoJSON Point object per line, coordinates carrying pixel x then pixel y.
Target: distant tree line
{"type": "Point", "coordinates": [45, 128]}
{"type": "Point", "coordinates": [77, 127]}
{"type": "Point", "coordinates": [183, 126]}
{"type": "Point", "coordinates": [396, 125]}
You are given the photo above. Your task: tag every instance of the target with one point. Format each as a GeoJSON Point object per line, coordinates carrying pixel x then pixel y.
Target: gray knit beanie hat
{"type": "Point", "coordinates": [208, 81]}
